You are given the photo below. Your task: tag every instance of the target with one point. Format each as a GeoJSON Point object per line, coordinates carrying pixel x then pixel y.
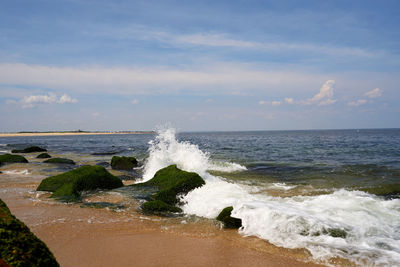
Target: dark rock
{"type": "Point", "coordinates": [335, 232]}
{"type": "Point", "coordinates": [229, 222]}
{"type": "Point", "coordinates": [171, 182]}
{"type": "Point", "coordinates": [69, 185]}
{"type": "Point", "coordinates": [158, 207]}
{"type": "Point", "coordinates": [8, 158]}
{"type": "Point", "coordinates": [30, 149]}
{"type": "Point", "coordinates": [60, 161]}
{"type": "Point", "coordinates": [123, 163]}
{"type": "Point", "coordinates": [43, 156]}
{"type": "Point", "coordinates": [18, 245]}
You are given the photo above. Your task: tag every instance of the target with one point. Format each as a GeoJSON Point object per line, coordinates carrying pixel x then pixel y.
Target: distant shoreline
{"type": "Point", "coordinates": [71, 133]}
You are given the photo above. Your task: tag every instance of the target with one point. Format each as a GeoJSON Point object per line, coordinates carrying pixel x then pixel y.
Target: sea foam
{"type": "Point", "coordinates": [353, 225]}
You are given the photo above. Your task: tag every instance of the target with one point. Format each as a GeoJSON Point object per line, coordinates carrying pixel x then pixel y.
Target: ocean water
{"type": "Point", "coordinates": [335, 193]}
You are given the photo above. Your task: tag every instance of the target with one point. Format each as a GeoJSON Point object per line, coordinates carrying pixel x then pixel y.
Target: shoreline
{"type": "Point", "coordinates": [82, 236]}
{"type": "Point", "coordinates": [71, 133]}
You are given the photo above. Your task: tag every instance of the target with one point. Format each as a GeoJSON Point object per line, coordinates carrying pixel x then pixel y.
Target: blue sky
{"type": "Point", "coordinates": [199, 65]}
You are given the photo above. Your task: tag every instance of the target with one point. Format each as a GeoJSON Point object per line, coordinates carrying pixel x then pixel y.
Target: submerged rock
{"type": "Point", "coordinates": [69, 185]}
{"type": "Point", "coordinates": [43, 156]}
{"type": "Point", "coordinates": [60, 161]}
{"type": "Point", "coordinates": [8, 158]}
{"type": "Point", "coordinates": [158, 207]}
{"type": "Point", "coordinates": [123, 163]}
{"type": "Point", "coordinates": [18, 245]}
{"type": "Point", "coordinates": [30, 149]}
{"type": "Point", "coordinates": [229, 222]}
{"type": "Point", "coordinates": [170, 182]}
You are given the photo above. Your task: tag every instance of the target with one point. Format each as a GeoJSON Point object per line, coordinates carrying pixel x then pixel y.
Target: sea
{"type": "Point", "coordinates": [334, 193]}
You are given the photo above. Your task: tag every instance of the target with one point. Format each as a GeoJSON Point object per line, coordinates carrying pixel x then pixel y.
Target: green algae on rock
{"type": "Point", "coordinates": [30, 149]}
{"type": "Point", "coordinates": [158, 207]}
{"type": "Point", "coordinates": [43, 156]}
{"type": "Point", "coordinates": [69, 185]}
{"type": "Point", "coordinates": [60, 161]}
{"type": "Point", "coordinates": [9, 158]}
{"type": "Point", "coordinates": [229, 222]}
{"type": "Point", "coordinates": [170, 182]}
{"type": "Point", "coordinates": [123, 163]}
{"type": "Point", "coordinates": [18, 245]}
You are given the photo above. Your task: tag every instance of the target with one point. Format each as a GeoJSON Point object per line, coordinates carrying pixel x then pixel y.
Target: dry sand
{"type": "Point", "coordinates": [98, 237]}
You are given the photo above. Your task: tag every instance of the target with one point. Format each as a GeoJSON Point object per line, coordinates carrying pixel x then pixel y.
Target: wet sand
{"type": "Point", "coordinates": [99, 237]}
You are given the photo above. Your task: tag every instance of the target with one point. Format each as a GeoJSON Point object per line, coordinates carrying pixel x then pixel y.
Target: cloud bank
{"type": "Point", "coordinates": [51, 98]}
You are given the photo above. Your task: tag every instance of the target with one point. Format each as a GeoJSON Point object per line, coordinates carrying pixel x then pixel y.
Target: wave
{"type": "Point", "coordinates": [165, 150]}
{"type": "Point", "coordinates": [353, 225]}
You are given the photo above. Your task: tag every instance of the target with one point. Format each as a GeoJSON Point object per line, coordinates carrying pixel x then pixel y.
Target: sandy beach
{"type": "Point", "coordinates": [98, 237]}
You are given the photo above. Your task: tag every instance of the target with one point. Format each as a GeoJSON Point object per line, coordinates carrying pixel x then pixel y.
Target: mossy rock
{"type": "Point", "coordinates": [229, 222]}
{"type": "Point", "coordinates": [30, 149]}
{"type": "Point", "coordinates": [60, 161]}
{"type": "Point", "coordinates": [171, 182]}
{"type": "Point", "coordinates": [158, 207]}
{"type": "Point", "coordinates": [69, 185]}
{"type": "Point", "coordinates": [18, 245]}
{"type": "Point", "coordinates": [43, 156]}
{"type": "Point", "coordinates": [9, 158]}
{"type": "Point", "coordinates": [123, 163]}
{"type": "Point", "coordinates": [335, 232]}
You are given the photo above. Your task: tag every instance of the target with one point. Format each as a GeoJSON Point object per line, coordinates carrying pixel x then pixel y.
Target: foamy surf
{"type": "Point", "coordinates": [353, 225]}
{"type": "Point", "coordinates": [17, 172]}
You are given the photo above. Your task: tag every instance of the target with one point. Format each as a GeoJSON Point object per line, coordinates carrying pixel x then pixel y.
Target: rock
{"type": "Point", "coordinates": [60, 161]}
{"type": "Point", "coordinates": [158, 207]}
{"type": "Point", "coordinates": [335, 232]}
{"type": "Point", "coordinates": [43, 156]}
{"type": "Point", "coordinates": [69, 185]}
{"type": "Point", "coordinates": [8, 158]}
{"type": "Point", "coordinates": [123, 163]}
{"type": "Point", "coordinates": [30, 149]}
{"type": "Point", "coordinates": [18, 245]}
{"type": "Point", "coordinates": [170, 182]}
{"type": "Point", "coordinates": [229, 222]}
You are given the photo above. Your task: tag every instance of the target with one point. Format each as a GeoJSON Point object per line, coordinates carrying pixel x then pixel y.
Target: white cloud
{"type": "Point", "coordinates": [51, 98]}
{"type": "Point", "coordinates": [213, 40]}
{"type": "Point", "coordinates": [375, 93]}
{"type": "Point", "coordinates": [325, 95]}
{"type": "Point", "coordinates": [357, 103]}
{"type": "Point", "coordinates": [272, 103]}
{"type": "Point", "coordinates": [289, 100]}
{"type": "Point", "coordinates": [276, 103]}
{"type": "Point", "coordinates": [228, 78]}
{"type": "Point", "coordinates": [135, 101]}
{"type": "Point", "coordinates": [67, 99]}
{"type": "Point", "coordinates": [226, 40]}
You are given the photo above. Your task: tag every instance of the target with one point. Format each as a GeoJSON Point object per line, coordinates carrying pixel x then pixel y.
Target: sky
{"type": "Point", "coordinates": [199, 65]}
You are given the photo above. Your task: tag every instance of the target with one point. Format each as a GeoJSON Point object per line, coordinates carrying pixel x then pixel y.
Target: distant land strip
{"type": "Point", "coordinates": [78, 132]}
